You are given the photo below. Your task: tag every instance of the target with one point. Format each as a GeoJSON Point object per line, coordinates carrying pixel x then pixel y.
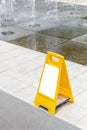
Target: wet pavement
{"type": "Point", "coordinates": [38, 41]}
{"type": "Point", "coordinates": [62, 30]}
{"type": "Point", "coordinates": [72, 51]}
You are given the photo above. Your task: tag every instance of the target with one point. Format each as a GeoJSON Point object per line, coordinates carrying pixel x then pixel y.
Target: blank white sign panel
{"type": "Point", "coordinates": [49, 81]}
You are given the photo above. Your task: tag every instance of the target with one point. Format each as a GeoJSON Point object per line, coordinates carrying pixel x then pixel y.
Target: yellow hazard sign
{"type": "Point", "coordinates": [53, 82]}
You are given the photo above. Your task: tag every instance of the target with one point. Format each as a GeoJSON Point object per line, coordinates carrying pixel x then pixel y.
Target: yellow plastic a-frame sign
{"type": "Point", "coordinates": [53, 82]}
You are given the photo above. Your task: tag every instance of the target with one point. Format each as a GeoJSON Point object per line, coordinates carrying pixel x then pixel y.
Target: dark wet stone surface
{"type": "Point", "coordinates": [84, 17]}
{"type": "Point", "coordinates": [38, 41]}
{"type": "Point", "coordinates": [72, 51]}
{"type": "Point", "coordinates": [63, 31]}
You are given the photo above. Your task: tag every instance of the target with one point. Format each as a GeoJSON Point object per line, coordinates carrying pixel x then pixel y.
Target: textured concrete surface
{"type": "Point", "coordinates": [17, 115]}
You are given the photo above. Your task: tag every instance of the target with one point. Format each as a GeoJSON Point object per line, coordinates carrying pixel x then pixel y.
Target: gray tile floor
{"type": "Point", "coordinates": [20, 70]}
{"type": "Point", "coordinates": [22, 61]}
